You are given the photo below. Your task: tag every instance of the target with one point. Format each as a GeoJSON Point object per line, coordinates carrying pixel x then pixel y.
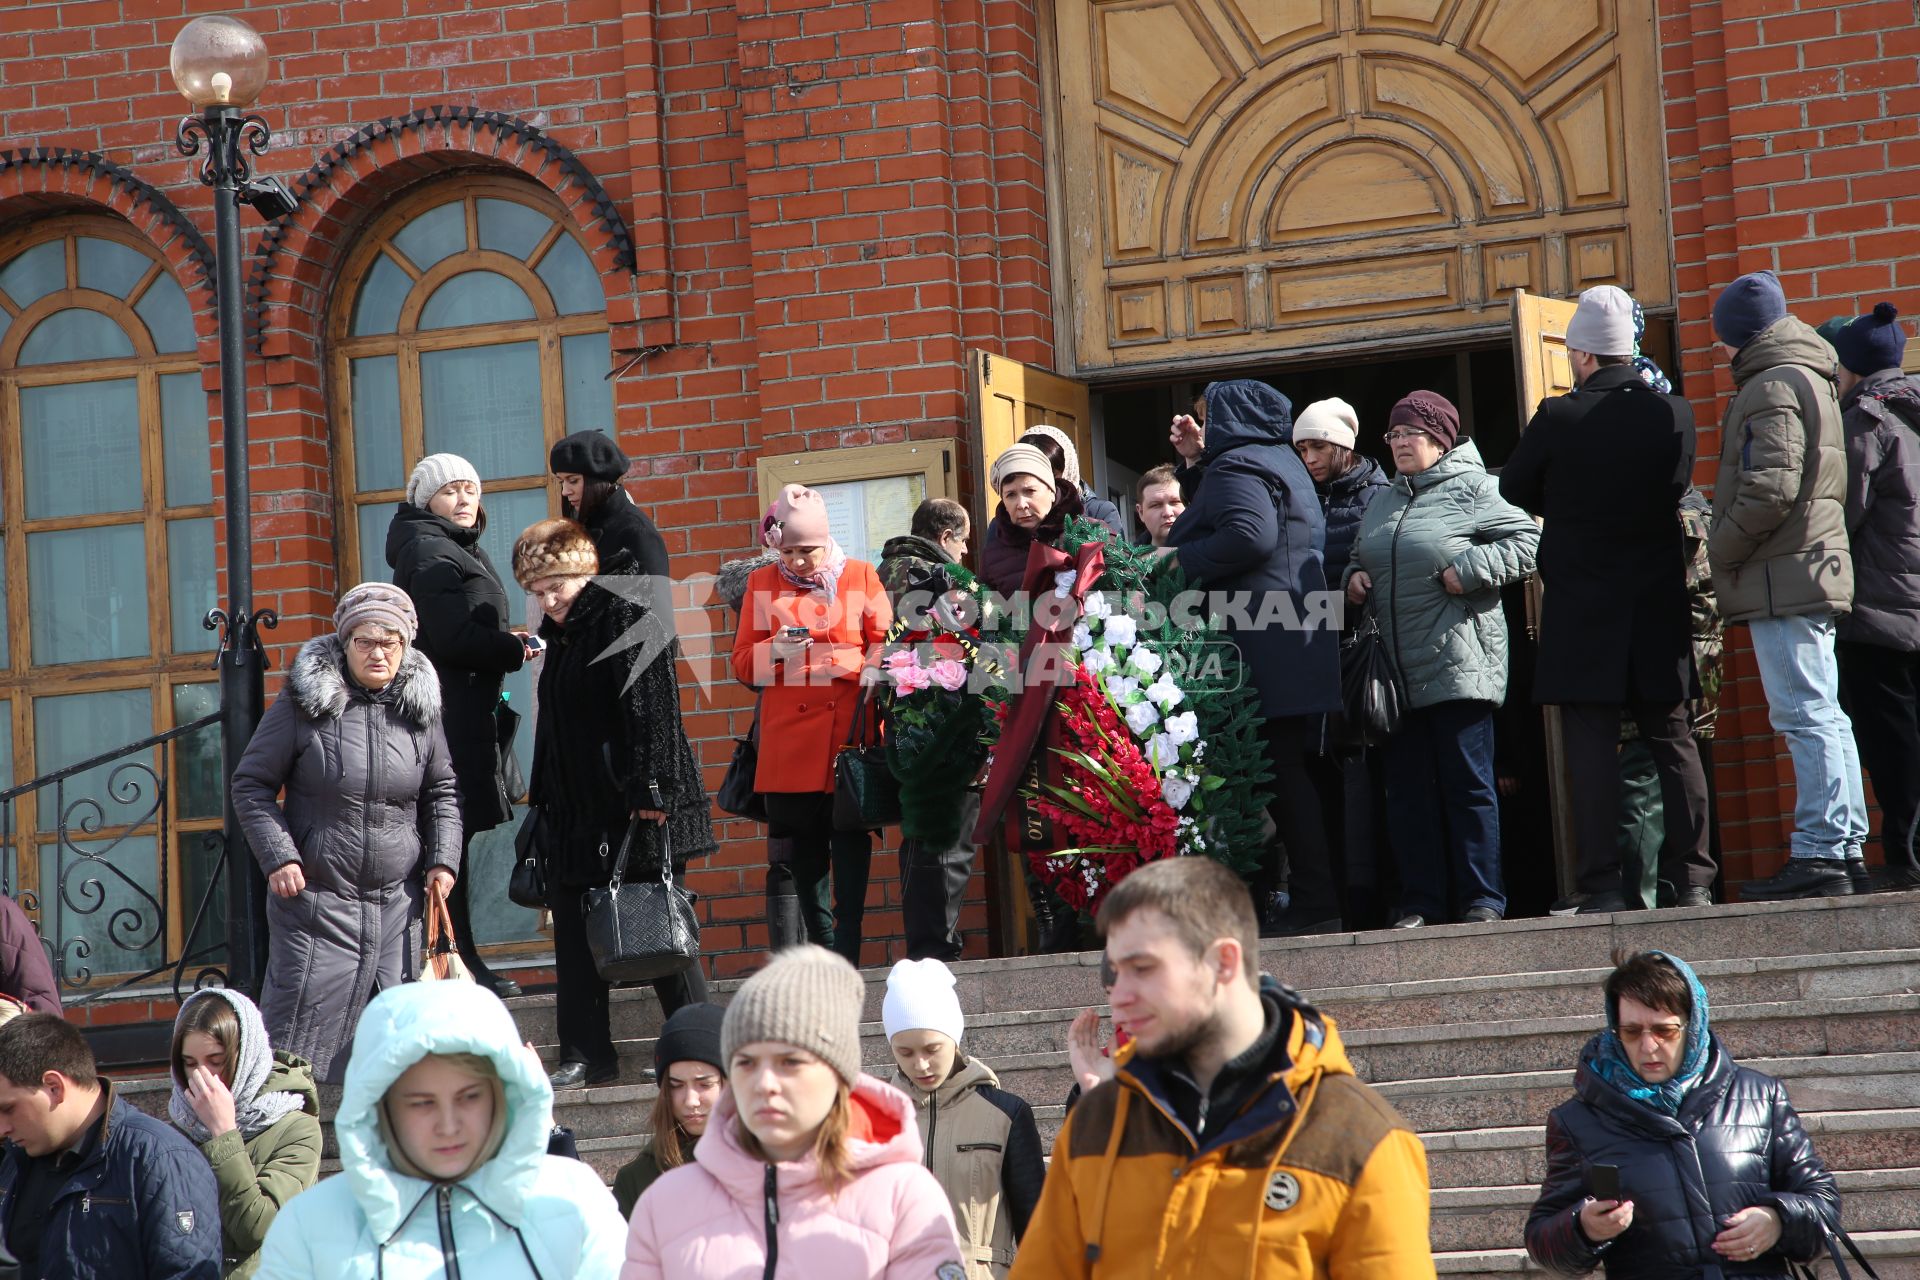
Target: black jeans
{"type": "Point", "coordinates": [1311, 882]}
{"type": "Point", "coordinates": [932, 884]}
{"type": "Point", "coordinates": [1880, 690]}
{"type": "Point", "coordinates": [1592, 735]}
{"type": "Point", "coordinates": [1443, 811]}
{"type": "Point", "coordinates": [582, 1014]}
{"type": "Point", "coordinates": [802, 823]}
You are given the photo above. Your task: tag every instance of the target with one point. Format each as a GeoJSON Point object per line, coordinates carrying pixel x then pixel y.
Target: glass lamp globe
{"type": "Point", "coordinates": [219, 61]}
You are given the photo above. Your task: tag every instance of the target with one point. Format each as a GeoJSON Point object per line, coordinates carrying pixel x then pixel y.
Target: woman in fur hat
{"type": "Point", "coordinates": [371, 822]}
{"type": "Point", "coordinates": [611, 762]}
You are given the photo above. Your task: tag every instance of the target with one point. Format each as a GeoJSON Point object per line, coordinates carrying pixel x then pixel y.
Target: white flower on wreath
{"type": "Point", "coordinates": [1162, 751]}
{"type": "Point", "coordinates": [1165, 692]}
{"type": "Point", "coordinates": [1096, 661]}
{"type": "Point", "coordinates": [1144, 660]}
{"type": "Point", "coordinates": [1183, 728]}
{"type": "Point", "coordinates": [1176, 790]}
{"type": "Point", "coordinates": [1082, 636]}
{"type": "Point", "coordinates": [1096, 606]}
{"type": "Point", "coordinates": [1121, 631]}
{"type": "Point", "coordinates": [1142, 717]}
{"type": "Point", "coordinates": [1063, 581]}
{"type": "Point", "coordinates": [1120, 688]}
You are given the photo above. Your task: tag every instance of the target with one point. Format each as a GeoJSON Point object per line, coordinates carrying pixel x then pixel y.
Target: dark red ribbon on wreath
{"type": "Point", "coordinates": [1044, 657]}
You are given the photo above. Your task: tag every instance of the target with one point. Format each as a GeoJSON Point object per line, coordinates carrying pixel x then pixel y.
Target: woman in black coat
{"type": "Point", "coordinates": [433, 547]}
{"type": "Point", "coordinates": [611, 761]}
{"type": "Point", "coordinates": [589, 467]}
{"type": "Point", "coordinates": [1716, 1175]}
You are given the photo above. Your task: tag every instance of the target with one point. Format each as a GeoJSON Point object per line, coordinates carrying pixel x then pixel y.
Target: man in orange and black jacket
{"type": "Point", "coordinates": [1234, 1140]}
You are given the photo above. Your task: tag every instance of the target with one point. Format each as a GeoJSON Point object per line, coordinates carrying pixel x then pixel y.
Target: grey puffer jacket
{"type": "Point", "coordinates": [370, 806]}
{"type": "Point", "coordinates": [1779, 537]}
{"type": "Point", "coordinates": [1447, 648]}
{"type": "Point", "coordinates": [1882, 422]}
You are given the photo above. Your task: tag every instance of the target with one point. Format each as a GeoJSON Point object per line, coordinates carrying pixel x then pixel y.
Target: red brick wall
{"type": "Point", "coordinates": [1793, 137]}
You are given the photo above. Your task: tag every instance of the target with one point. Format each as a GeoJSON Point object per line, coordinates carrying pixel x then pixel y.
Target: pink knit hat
{"type": "Point", "coordinates": [798, 518]}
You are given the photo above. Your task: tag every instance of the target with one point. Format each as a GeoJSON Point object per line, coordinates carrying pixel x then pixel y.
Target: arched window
{"type": "Point", "coordinates": [106, 570]}
{"type": "Point", "coordinates": [468, 319]}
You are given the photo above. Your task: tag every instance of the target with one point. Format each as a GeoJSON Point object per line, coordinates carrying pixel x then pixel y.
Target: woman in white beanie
{"type": "Point", "coordinates": [810, 1169]}
{"type": "Point", "coordinates": [433, 547]}
{"type": "Point", "coordinates": [1034, 504]}
{"type": "Point", "coordinates": [982, 1143]}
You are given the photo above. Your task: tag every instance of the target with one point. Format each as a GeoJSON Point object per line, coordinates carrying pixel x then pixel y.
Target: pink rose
{"type": "Point", "coordinates": [901, 659]}
{"type": "Point", "coordinates": [911, 679]}
{"type": "Point", "coordinates": [948, 674]}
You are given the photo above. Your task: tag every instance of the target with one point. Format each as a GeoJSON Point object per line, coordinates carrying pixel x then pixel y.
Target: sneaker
{"type": "Point", "coordinates": [1694, 896]}
{"type": "Point", "coordinates": [1894, 880]}
{"type": "Point", "coordinates": [1603, 904]}
{"type": "Point", "coordinates": [1412, 920]}
{"type": "Point", "coordinates": [1480, 915]}
{"type": "Point", "coordinates": [1802, 878]}
{"type": "Point", "coordinates": [1569, 905]}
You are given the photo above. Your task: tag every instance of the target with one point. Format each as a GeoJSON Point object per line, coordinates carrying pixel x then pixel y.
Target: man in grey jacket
{"type": "Point", "coordinates": [1879, 647]}
{"type": "Point", "coordinates": [1782, 565]}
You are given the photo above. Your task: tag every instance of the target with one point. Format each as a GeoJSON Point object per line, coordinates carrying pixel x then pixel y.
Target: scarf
{"type": "Point", "coordinates": [1650, 373]}
{"type": "Point", "coordinates": [253, 1111]}
{"type": "Point", "coordinates": [824, 581]}
{"type": "Point", "coordinates": [1609, 1060]}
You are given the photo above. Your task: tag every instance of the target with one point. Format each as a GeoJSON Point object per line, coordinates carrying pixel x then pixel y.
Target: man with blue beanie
{"type": "Point", "coordinates": [1782, 564]}
{"type": "Point", "coordinates": [1879, 646]}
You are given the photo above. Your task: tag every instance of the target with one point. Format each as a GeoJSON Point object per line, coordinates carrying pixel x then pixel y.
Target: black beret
{"type": "Point", "coordinates": [592, 454]}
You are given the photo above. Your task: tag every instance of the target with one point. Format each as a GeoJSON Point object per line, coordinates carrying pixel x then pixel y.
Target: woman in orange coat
{"type": "Point", "coordinates": [810, 625]}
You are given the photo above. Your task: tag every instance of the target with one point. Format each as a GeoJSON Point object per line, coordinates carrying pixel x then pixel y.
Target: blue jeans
{"type": "Point", "coordinates": [1443, 813]}
{"type": "Point", "coordinates": [1802, 682]}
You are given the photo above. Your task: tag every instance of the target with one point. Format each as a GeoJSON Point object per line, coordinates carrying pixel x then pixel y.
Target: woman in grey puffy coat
{"type": "Point", "coordinates": [370, 825]}
{"type": "Point", "coordinates": [1432, 554]}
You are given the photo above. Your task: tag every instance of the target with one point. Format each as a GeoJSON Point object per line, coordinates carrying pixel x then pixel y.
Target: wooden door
{"type": "Point", "coordinates": [1541, 369]}
{"type": "Point", "coordinates": [1250, 178]}
{"type": "Point", "coordinates": [1010, 399]}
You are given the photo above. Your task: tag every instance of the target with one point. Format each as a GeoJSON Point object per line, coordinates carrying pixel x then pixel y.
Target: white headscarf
{"type": "Point", "coordinates": [1070, 472]}
{"type": "Point", "coordinates": [252, 1109]}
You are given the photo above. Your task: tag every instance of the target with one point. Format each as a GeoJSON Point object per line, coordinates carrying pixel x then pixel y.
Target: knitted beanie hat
{"type": "Point", "coordinates": [553, 549]}
{"type": "Point", "coordinates": [1428, 411]}
{"type": "Point", "coordinates": [798, 518]}
{"type": "Point", "coordinates": [1602, 323]}
{"type": "Point", "coordinates": [1872, 342]}
{"type": "Point", "coordinates": [435, 472]}
{"type": "Point", "coordinates": [380, 603]}
{"type": "Point", "coordinates": [1748, 307]}
{"type": "Point", "coordinates": [1022, 460]}
{"type": "Point", "coordinates": [592, 454]}
{"type": "Point", "coordinates": [920, 997]}
{"type": "Point", "coordinates": [807, 997]}
{"type": "Point", "coordinates": [692, 1034]}
{"type": "Point", "coordinates": [1331, 420]}
{"type": "Point", "coordinates": [1070, 467]}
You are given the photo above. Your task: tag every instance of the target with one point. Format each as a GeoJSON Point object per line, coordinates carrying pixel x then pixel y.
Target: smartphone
{"type": "Point", "coordinates": [536, 644]}
{"type": "Point", "coordinates": [1603, 1181]}
{"type": "Point", "coordinates": [797, 633]}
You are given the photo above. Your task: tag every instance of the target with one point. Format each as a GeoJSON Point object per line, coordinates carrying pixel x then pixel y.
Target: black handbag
{"type": "Point", "coordinates": [506, 724]}
{"type": "Point", "coordinates": [645, 930]}
{"type": "Point", "coordinates": [736, 795]}
{"type": "Point", "coordinates": [866, 795]}
{"type": "Point", "coordinates": [1369, 686]}
{"type": "Point", "coordinates": [527, 886]}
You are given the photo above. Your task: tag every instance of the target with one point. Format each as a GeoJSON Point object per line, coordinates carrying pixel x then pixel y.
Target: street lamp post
{"type": "Point", "coordinates": [220, 66]}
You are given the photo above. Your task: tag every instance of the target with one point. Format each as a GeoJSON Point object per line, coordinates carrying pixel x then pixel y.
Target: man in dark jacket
{"type": "Point", "coordinates": [1606, 466]}
{"type": "Point", "coordinates": [1879, 642]}
{"type": "Point", "coordinates": [936, 538]}
{"type": "Point", "coordinates": [1253, 538]}
{"type": "Point", "coordinates": [1782, 564]}
{"type": "Point", "coordinates": [1716, 1175]}
{"type": "Point", "coordinates": [90, 1188]}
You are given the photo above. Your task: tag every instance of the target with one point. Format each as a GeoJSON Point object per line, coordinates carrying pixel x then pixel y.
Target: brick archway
{"type": "Point", "coordinates": [46, 180]}
{"type": "Point", "coordinates": [288, 283]}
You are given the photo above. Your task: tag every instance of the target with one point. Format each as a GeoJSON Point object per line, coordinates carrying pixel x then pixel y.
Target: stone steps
{"type": "Point", "coordinates": [1894, 1254]}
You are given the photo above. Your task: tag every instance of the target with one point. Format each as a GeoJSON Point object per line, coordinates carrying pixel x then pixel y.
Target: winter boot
{"type": "Point", "coordinates": [784, 925]}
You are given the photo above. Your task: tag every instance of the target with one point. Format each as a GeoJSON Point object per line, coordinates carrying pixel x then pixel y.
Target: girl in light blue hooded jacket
{"type": "Point", "coordinates": [442, 1129]}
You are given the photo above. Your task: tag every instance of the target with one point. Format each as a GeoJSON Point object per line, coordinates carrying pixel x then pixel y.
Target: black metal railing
{"type": "Point", "coordinates": [89, 897]}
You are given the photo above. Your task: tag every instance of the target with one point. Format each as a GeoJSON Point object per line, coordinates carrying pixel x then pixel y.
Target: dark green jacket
{"type": "Point", "coordinates": [639, 1173]}
{"type": "Point", "coordinates": [258, 1176]}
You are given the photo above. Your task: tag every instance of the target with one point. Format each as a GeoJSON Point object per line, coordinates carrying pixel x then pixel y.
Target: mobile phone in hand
{"type": "Point", "coordinates": [797, 633]}
{"type": "Point", "coordinates": [535, 645]}
{"type": "Point", "coordinates": [1603, 1181]}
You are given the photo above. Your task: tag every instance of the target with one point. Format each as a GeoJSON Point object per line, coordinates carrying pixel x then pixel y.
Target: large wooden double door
{"type": "Point", "coordinates": [1240, 178]}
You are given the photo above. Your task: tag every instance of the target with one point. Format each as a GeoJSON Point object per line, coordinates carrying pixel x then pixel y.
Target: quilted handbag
{"type": "Point", "coordinates": [736, 795]}
{"type": "Point", "coordinates": [866, 795]}
{"type": "Point", "coordinates": [1369, 686]}
{"type": "Point", "coordinates": [645, 929]}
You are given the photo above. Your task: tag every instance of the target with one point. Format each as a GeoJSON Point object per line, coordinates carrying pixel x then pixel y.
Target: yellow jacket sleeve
{"type": "Point", "coordinates": [1382, 1231]}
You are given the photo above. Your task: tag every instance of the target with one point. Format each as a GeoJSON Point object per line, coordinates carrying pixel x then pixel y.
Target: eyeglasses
{"type": "Point", "coordinates": [1394, 436]}
{"type": "Point", "coordinates": [1666, 1033]}
{"type": "Point", "coordinates": [366, 648]}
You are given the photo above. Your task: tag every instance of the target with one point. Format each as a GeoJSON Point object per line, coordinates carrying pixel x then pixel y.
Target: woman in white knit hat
{"type": "Point", "coordinates": [810, 1168]}
{"type": "Point", "coordinates": [982, 1142]}
{"type": "Point", "coordinates": [1034, 505]}
{"type": "Point", "coordinates": [433, 547]}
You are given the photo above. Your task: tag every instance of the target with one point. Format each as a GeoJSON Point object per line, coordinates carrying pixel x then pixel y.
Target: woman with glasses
{"type": "Point", "coordinates": [1432, 554]}
{"type": "Point", "coordinates": [1672, 1161]}
{"type": "Point", "coordinates": [370, 824]}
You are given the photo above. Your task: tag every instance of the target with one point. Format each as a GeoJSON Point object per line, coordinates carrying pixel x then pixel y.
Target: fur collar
{"type": "Point", "coordinates": [318, 682]}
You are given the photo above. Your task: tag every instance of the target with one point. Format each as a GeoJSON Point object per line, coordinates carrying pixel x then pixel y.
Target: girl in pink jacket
{"type": "Point", "coordinates": [810, 1169]}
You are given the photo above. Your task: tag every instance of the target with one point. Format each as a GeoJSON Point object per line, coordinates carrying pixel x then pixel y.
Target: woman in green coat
{"type": "Point", "coordinates": [1432, 554]}
{"type": "Point", "coordinates": [255, 1114]}
{"type": "Point", "coordinates": [692, 1074]}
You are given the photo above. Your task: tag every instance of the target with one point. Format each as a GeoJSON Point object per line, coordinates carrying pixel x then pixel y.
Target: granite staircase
{"type": "Point", "coordinates": [1471, 1031]}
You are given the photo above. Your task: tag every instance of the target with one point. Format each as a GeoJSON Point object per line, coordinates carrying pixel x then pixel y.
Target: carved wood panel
{"type": "Point", "coordinates": [1246, 176]}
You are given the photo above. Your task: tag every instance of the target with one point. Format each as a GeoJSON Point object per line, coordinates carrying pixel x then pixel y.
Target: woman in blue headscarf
{"type": "Point", "coordinates": [1716, 1177]}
